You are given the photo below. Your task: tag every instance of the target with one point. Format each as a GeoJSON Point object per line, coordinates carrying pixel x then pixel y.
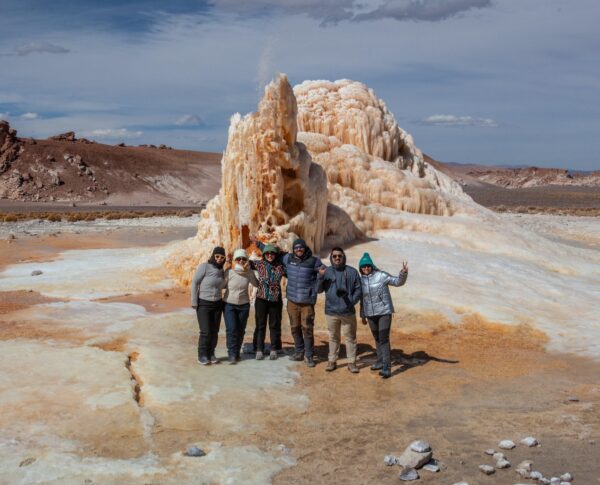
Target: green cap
{"type": "Point", "coordinates": [365, 261]}
{"type": "Point", "coordinates": [269, 248]}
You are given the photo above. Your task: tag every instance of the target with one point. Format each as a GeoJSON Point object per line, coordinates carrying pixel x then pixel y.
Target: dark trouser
{"type": "Point", "coordinates": [236, 317]}
{"type": "Point", "coordinates": [209, 321]}
{"type": "Point", "coordinates": [267, 310]}
{"type": "Point", "coordinates": [380, 328]}
{"type": "Point", "coordinates": [302, 322]}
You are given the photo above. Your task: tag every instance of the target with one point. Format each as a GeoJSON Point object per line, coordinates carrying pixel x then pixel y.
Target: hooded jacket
{"type": "Point", "coordinates": [376, 298]}
{"type": "Point", "coordinates": [207, 283]}
{"type": "Point", "coordinates": [342, 288]}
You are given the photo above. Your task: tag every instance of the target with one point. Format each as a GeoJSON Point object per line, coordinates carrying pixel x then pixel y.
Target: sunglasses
{"type": "Point", "coordinates": [241, 259]}
{"type": "Point", "coordinates": [219, 256]}
{"type": "Point", "coordinates": [270, 254]}
{"type": "Point", "coordinates": [296, 248]}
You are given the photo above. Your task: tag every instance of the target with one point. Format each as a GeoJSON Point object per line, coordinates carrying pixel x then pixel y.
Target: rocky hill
{"type": "Point", "coordinates": [64, 169]}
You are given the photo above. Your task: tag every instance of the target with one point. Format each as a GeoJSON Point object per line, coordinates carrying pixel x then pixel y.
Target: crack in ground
{"type": "Point", "coordinates": [137, 381]}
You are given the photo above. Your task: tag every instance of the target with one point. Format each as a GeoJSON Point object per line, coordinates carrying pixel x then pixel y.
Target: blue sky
{"type": "Point", "coordinates": [474, 81]}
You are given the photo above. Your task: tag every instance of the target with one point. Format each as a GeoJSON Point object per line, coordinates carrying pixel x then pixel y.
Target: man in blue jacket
{"type": "Point", "coordinates": [341, 284]}
{"type": "Point", "coordinates": [301, 270]}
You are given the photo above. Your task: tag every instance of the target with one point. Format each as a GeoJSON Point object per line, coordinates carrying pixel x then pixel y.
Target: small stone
{"type": "Point", "coordinates": [461, 483]}
{"type": "Point", "coordinates": [194, 451]}
{"type": "Point", "coordinates": [487, 469]}
{"type": "Point", "coordinates": [545, 481]}
{"type": "Point", "coordinates": [27, 462]}
{"type": "Point", "coordinates": [536, 475]}
{"type": "Point", "coordinates": [566, 477]}
{"type": "Point", "coordinates": [565, 483]}
{"type": "Point", "coordinates": [390, 460]}
{"type": "Point", "coordinates": [36, 272]}
{"type": "Point", "coordinates": [420, 446]}
{"type": "Point", "coordinates": [555, 481]}
{"type": "Point", "coordinates": [408, 475]}
{"type": "Point", "coordinates": [522, 472]}
{"type": "Point", "coordinates": [490, 451]}
{"type": "Point", "coordinates": [573, 399]}
{"type": "Point", "coordinates": [504, 463]}
{"type": "Point", "coordinates": [498, 456]}
{"type": "Point", "coordinates": [525, 465]}
{"type": "Point", "coordinates": [433, 466]}
{"type": "Point", "coordinates": [530, 441]}
{"type": "Point", "coordinates": [506, 445]}
{"type": "Point", "coordinates": [413, 459]}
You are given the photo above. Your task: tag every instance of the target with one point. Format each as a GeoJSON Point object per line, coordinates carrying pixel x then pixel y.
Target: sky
{"type": "Point", "coordinates": [510, 82]}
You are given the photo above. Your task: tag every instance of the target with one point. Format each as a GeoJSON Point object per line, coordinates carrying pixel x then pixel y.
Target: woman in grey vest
{"type": "Point", "coordinates": [376, 308]}
{"type": "Point", "coordinates": [207, 289]}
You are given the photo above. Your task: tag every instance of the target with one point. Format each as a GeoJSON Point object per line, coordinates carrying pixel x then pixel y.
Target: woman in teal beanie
{"type": "Point", "coordinates": [376, 308]}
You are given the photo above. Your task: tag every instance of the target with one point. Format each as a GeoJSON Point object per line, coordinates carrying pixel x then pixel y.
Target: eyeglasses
{"type": "Point", "coordinates": [337, 256]}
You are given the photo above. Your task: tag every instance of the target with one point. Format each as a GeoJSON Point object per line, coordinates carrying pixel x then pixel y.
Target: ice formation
{"type": "Point", "coordinates": [330, 168]}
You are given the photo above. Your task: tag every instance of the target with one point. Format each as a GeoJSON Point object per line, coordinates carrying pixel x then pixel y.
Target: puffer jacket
{"type": "Point", "coordinates": [302, 277]}
{"type": "Point", "coordinates": [376, 298]}
{"type": "Point", "coordinates": [336, 303]}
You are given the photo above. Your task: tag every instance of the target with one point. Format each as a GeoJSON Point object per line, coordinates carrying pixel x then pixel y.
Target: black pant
{"type": "Point", "coordinates": [267, 310]}
{"type": "Point", "coordinates": [380, 326]}
{"type": "Point", "coordinates": [236, 317]}
{"type": "Point", "coordinates": [209, 321]}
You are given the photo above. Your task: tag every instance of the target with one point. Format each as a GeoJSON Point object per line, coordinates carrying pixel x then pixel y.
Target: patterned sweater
{"type": "Point", "coordinates": [269, 279]}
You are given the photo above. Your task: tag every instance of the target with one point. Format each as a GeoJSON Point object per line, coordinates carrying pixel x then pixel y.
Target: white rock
{"type": "Point", "coordinates": [408, 475]}
{"type": "Point", "coordinates": [566, 477]}
{"type": "Point", "coordinates": [506, 445]}
{"type": "Point", "coordinates": [498, 456]}
{"type": "Point", "coordinates": [413, 459]}
{"type": "Point", "coordinates": [432, 466]}
{"type": "Point", "coordinates": [490, 451]}
{"type": "Point", "coordinates": [530, 441]}
{"type": "Point", "coordinates": [390, 460]}
{"type": "Point", "coordinates": [487, 469]}
{"type": "Point", "coordinates": [525, 465]}
{"type": "Point", "coordinates": [536, 475]}
{"type": "Point", "coordinates": [565, 483]}
{"type": "Point", "coordinates": [544, 481]}
{"type": "Point", "coordinates": [420, 446]}
{"type": "Point", "coordinates": [504, 463]}
{"type": "Point", "coordinates": [555, 481]}
{"type": "Point", "coordinates": [522, 472]}
{"type": "Point", "coordinates": [461, 483]}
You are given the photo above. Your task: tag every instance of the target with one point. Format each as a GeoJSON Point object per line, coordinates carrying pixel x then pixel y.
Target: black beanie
{"type": "Point", "coordinates": [299, 242]}
{"type": "Point", "coordinates": [218, 250]}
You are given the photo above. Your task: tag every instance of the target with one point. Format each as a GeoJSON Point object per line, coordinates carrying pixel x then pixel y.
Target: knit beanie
{"type": "Point", "coordinates": [299, 242]}
{"type": "Point", "coordinates": [365, 261]}
{"type": "Point", "coordinates": [218, 250]}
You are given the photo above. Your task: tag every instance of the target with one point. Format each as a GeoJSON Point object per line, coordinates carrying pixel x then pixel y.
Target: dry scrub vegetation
{"type": "Point", "coordinates": [91, 215]}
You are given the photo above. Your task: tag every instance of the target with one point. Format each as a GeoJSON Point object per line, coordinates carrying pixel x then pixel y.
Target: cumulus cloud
{"type": "Point", "coordinates": [113, 133]}
{"type": "Point", "coordinates": [334, 11]}
{"type": "Point", "coordinates": [40, 47]}
{"type": "Point", "coordinates": [29, 116]}
{"type": "Point", "coordinates": [189, 120]}
{"type": "Point", "coordinates": [452, 120]}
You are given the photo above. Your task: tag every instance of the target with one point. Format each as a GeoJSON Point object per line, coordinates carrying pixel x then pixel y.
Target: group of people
{"type": "Point", "coordinates": [221, 286]}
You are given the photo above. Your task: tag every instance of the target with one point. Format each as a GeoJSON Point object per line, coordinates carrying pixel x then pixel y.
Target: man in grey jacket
{"type": "Point", "coordinates": [341, 284]}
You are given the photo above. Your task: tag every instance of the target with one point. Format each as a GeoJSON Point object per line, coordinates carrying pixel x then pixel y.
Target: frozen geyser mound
{"type": "Point", "coordinates": [330, 168]}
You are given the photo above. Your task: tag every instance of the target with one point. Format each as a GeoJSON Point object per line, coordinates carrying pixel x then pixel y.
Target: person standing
{"type": "Point", "coordinates": [342, 287]}
{"type": "Point", "coordinates": [269, 301]}
{"type": "Point", "coordinates": [377, 308]}
{"type": "Point", "coordinates": [207, 285]}
{"type": "Point", "coordinates": [238, 278]}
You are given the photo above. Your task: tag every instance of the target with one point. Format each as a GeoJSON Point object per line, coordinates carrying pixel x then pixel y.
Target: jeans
{"type": "Point", "coordinates": [302, 322]}
{"type": "Point", "coordinates": [265, 310]}
{"type": "Point", "coordinates": [236, 317]}
{"type": "Point", "coordinates": [209, 321]}
{"type": "Point", "coordinates": [337, 324]}
{"type": "Point", "coordinates": [380, 326]}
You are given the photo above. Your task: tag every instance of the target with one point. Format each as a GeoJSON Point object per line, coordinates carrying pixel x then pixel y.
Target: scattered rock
{"type": "Point", "coordinates": [56, 180]}
{"type": "Point", "coordinates": [504, 463]}
{"type": "Point", "coordinates": [544, 481]}
{"type": "Point", "coordinates": [413, 459]}
{"type": "Point", "coordinates": [461, 483]}
{"type": "Point", "coordinates": [390, 460]}
{"type": "Point", "coordinates": [68, 136]}
{"type": "Point", "coordinates": [36, 272]}
{"type": "Point", "coordinates": [487, 469]}
{"type": "Point", "coordinates": [50, 158]}
{"type": "Point", "coordinates": [506, 445]}
{"type": "Point", "coordinates": [525, 465]}
{"type": "Point", "coordinates": [566, 477]}
{"type": "Point", "coordinates": [535, 475]}
{"type": "Point", "coordinates": [420, 446]}
{"type": "Point", "coordinates": [433, 466]}
{"type": "Point", "coordinates": [498, 456]}
{"type": "Point", "coordinates": [573, 399]}
{"type": "Point", "coordinates": [194, 451]}
{"type": "Point", "coordinates": [490, 451]}
{"type": "Point", "coordinates": [523, 473]}
{"type": "Point", "coordinates": [27, 461]}
{"type": "Point", "coordinates": [408, 475]}
{"type": "Point", "coordinates": [555, 481]}
{"type": "Point", "coordinates": [530, 441]}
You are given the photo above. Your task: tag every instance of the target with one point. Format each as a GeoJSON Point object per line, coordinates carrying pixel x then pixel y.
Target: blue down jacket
{"type": "Point", "coordinates": [301, 277]}
{"type": "Point", "coordinates": [376, 298]}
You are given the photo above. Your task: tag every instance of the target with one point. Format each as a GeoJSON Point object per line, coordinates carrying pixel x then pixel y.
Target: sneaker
{"type": "Point", "coordinates": [238, 358]}
{"type": "Point", "coordinates": [214, 360]}
{"type": "Point", "coordinates": [385, 372]}
{"type": "Point", "coordinates": [377, 366]}
{"type": "Point", "coordinates": [259, 355]}
{"type": "Point", "coordinates": [273, 355]}
{"type": "Point", "coordinates": [309, 362]}
{"type": "Point", "coordinates": [297, 357]}
{"type": "Point", "coordinates": [352, 367]}
{"type": "Point", "coordinates": [203, 361]}
{"type": "Point", "coordinates": [331, 366]}
{"type": "Point", "coordinates": [232, 360]}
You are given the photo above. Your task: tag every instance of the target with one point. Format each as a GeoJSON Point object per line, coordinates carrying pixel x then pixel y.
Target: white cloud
{"type": "Point", "coordinates": [452, 120]}
{"type": "Point", "coordinates": [189, 120]}
{"type": "Point", "coordinates": [113, 133]}
{"type": "Point", "coordinates": [29, 116]}
{"type": "Point", "coordinates": [4, 116]}
{"type": "Point", "coordinates": [40, 47]}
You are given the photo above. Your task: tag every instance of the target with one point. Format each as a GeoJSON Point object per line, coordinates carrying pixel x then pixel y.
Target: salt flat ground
{"type": "Point", "coordinates": [99, 381]}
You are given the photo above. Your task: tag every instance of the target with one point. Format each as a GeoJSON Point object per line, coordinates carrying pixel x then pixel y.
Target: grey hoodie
{"type": "Point", "coordinates": [207, 283]}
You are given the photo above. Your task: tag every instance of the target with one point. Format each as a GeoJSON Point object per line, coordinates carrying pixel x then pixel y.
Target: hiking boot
{"type": "Point", "coordinates": [232, 360]}
{"type": "Point", "coordinates": [309, 362]}
{"type": "Point", "coordinates": [238, 358]}
{"type": "Point", "coordinates": [203, 361]}
{"type": "Point", "coordinates": [273, 355]}
{"type": "Point", "coordinates": [386, 372]}
{"type": "Point", "coordinates": [297, 357]}
{"type": "Point", "coordinates": [331, 366]}
{"type": "Point", "coordinates": [352, 367]}
{"type": "Point", "coordinates": [259, 355]}
{"type": "Point", "coordinates": [214, 360]}
{"type": "Point", "coordinates": [377, 366]}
